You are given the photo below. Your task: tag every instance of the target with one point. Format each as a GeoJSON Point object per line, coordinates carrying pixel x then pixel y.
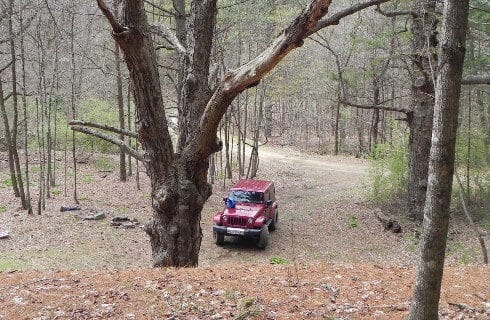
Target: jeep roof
{"type": "Point", "coordinates": [252, 185]}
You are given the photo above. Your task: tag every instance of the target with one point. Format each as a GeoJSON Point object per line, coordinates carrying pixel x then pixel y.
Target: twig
{"type": "Point", "coordinates": [82, 123]}
{"type": "Point", "coordinates": [470, 220]}
{"type": "Point", "coordinates": [110, 139]}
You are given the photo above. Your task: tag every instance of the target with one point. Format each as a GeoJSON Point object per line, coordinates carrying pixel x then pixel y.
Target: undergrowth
{"type": "Point", "coordinates": [388, 171]}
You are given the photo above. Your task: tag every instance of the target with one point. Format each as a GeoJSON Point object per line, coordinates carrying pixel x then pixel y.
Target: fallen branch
{"type": "Point", "coordinates": [476, 80]}
{"type": "Point", "coordinates": [388, 223]}
{"type": "Point", "coordinates": [464, 307]}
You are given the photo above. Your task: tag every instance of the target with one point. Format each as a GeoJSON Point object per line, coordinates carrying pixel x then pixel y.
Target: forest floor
{"type": "Point", "coordinates": [329, 258]}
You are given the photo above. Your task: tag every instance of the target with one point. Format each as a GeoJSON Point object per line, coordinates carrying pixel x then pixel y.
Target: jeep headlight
{"type": "Point", "coordinates": [250, 220]}
{"type": "Point", "coordinates": [225, 219]}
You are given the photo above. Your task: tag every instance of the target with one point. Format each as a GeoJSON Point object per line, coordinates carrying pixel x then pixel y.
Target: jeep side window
{"type": "Point", "coordinates": [246, 196]}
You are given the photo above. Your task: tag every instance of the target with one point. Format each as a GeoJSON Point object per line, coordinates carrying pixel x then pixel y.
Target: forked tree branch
{"type": "Point", "coordinates": [476, 80]}
{"type": "Point", "coordinates": [393, 14]}
{"type": "Point", "coordinates": [124, 146]}
{"type": "Point", "coordinates": [2, 69]}
{"type": "Point", "coordinates": [250, 74]}
{"type": "Point", "coordinates": [116, 26]}
{"type": "Point", "coordinates": [163, 31]}
{"type": "Point", "coordinates": [335, 18]}
{"type": "Point", "coordinates": [205, 142]}
{"type": "Point", "coordinates": [105, 127]}
{"type": "Point", "coordinates": [158, 7]}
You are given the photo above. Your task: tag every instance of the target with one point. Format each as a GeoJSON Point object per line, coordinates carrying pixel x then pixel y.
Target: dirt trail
{"type": "Point", "coordinates": [304, 161]}
{"type": "Point", "coordinates": [318, 197]}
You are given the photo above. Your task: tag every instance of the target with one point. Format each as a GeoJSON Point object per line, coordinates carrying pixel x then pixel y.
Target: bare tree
{"type": "Point", "coordinates": [179, 179]}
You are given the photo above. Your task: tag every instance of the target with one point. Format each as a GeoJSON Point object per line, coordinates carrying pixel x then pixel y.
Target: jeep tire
{"type": "Point", "coordinates": [219, 238]}
{"type": "Point", "coordinates": [264, 237]}
{"type": "Point", "coordinates": [273, 224]}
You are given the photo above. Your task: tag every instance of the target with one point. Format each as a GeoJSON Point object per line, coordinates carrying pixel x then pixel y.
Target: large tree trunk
{"type": "Point", "coordinates": [195, 89]}
{"type": "Point", "coordinates": [178, 179]}
{"type": "Point", "coordinates": [441, 165]}
{"type": "Point", "coordinates": [424, 59]}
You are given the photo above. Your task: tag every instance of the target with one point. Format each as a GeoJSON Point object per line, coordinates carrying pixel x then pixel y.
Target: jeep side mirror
{"type": "Point", "coordinates": [268, 202]}
{"type": "Point", "coordinates": [225, 199]}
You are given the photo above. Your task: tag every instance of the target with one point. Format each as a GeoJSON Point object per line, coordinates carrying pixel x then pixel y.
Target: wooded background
{"type": "Point", "coordinates": [335, 95]}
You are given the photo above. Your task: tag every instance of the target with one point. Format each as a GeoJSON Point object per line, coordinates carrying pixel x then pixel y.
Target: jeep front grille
{"type": "Point", "coordinates": [237, 221]}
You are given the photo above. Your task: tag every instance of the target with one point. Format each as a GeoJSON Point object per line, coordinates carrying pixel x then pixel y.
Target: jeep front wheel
{"type": "Point", "coordinates": [273, 224]}
{"type": "Point", "coordinates": [264, 237]}
{"type": "Point", "coordinates": [219, 238]}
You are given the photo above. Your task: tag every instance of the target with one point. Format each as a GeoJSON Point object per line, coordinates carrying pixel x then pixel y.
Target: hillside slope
{"type": "Point", "coordinates": [245, 291]}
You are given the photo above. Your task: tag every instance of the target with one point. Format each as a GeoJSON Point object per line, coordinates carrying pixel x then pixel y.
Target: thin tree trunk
{"type": "Point", "coordinates": [40, 156]}
{"type": "Point", "coordinates": [24, 105]}
{"type": "Point", "coordinates": [478, 234]}
{"type": "Point", "coordinates": [336, 129]}
{"type": "Point", "coordinates": [441, 166]}
{"type": "Point", "coordinates": [468, 151]}
{"type": "Point", "coordinates": [120, 105]}
{"type": "Point", "coordinates": [73, 103]}
{"type": "Point", "coordinates": [15, 121]}
{"type": "Point", "coordinates": [128, 101]}
{"type": "Point", "coordinates": [226, 126]}
{"type": "Point", "coordinates": [8, 141]}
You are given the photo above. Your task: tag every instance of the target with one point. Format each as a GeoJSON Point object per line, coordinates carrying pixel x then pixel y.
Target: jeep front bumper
{"type": "Point", "coordinates": [230, 231]}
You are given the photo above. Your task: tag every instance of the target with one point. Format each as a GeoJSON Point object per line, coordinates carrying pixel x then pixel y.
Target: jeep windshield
{"type": "Point", "coordinates": [240, 196]}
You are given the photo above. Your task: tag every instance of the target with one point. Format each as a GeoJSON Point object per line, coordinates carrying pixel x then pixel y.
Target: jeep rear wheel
{"type": "Point", "coordinates": [264, 237]}
{"type": "Point", "coordinates": [219, 238]}
{"type": "Point", "coordinates": [273, 224]}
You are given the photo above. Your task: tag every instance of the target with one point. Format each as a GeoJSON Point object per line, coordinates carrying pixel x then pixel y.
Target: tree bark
{"type": "Point", "coordinates": [424, 58]}
{"type": "Point", "coordinates": [24, 105]}
{"type": "Point", "coordinates": [15, 121]}
{"type": "Point", "coordinates": [8, 142]}
{"type": "Point", "coordinates": [120, 105]}
{"type": "Point", "coordinates": [441, 166]}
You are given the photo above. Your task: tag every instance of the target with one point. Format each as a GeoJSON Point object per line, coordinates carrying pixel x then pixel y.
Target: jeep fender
{"type": "Point", "coordinates": [217, 218]}
{"type": "Point", "coordinates": [259, 222]}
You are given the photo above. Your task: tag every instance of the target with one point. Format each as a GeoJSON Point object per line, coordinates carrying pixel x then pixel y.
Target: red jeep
{"type": "Point", "coordinates": [250, 211]}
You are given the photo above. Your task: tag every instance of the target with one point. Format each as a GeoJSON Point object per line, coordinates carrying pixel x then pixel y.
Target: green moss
{"type": "Point", "coordinates": [352, 222]}
{"type": "Point", "coordinates": [55, 191]}
{"type": "Point", "coordinates": [278, 260]}
{"type": "Point", "coordinates": [87, 178]}
{"type": "Point", "coordinates": [7, 182]}
{"type": "Point", "coordinates": [103, 163]}
{"type": "Point", "coordinates": [10, 263]}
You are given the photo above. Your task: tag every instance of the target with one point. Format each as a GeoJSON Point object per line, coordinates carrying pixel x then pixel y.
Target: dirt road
{"type": "Point", "coordinates": [320, 200]}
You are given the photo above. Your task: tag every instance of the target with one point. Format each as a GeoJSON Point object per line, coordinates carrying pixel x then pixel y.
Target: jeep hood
{"type": "Point", "coordinates": [247, 210]}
